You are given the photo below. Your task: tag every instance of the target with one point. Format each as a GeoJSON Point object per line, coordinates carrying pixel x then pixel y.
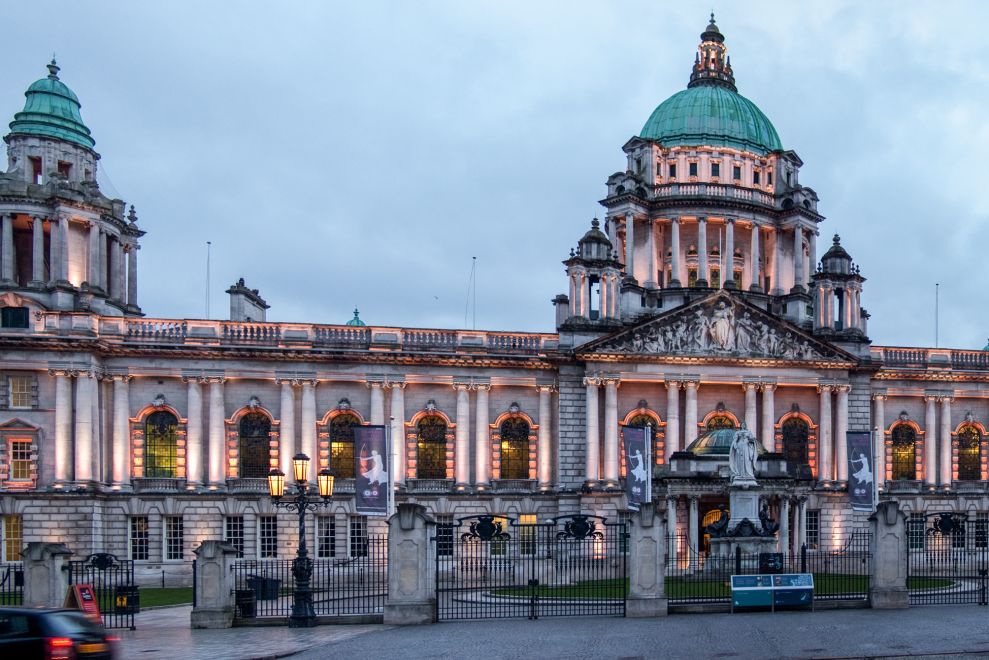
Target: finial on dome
{"type": "Point", "coordinates": [595, 223]}
{"type": "Point", "coordinates": [132, 215]}
{"type": "Point", "coordinates": [53, 69]}
{"type": "Point", "coordinates": [836, 240]}
{"type": "Point", "coordinates": [711, 65]}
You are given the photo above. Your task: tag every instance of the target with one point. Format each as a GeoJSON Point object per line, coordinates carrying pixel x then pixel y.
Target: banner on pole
{"type": "Point", "coordinates": [371, 470]}
{"type": "Point", "coordinates": [861, 472]}
{"type": "Point", "coordinates": [636, 442]}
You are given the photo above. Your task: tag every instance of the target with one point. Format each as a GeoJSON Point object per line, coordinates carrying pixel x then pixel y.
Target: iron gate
{"type": "Point", "coordinates": [947, 559]}
{"type": "Point", "coordinates": [113, 582]}
{"type": "Point", "coordinates": [491, 567]}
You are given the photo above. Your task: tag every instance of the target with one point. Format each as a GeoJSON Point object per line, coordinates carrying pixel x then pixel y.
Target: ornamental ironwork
{"type": "Point", "coordinates": [101, 561]}
{"type": "Point", "coordinates": [579, 527]}
{"type": "Point", "coordinates": [947, 523]}
{"type": "Point", "coordinates": [485, 528]}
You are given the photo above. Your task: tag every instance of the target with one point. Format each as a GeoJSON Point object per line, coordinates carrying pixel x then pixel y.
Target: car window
{"type": "Point", "coordinates": [12, 625]}
{"type": "Point", "coordinates": [68, 623]}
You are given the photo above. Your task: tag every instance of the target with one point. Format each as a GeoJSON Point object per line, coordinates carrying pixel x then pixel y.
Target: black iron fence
{"type": "Point", "coordinates": [340, 585]}
{"type": "Point", "coordinates": [947, 559]}
{"type": "Point", "coordinates": [112, 580]}
{"type": "Point", "coordinates": [697, 577]}
{"type": "Point", "coordinates": [11, 583]}
{"type": "Point", "coordinates": [489, 567]}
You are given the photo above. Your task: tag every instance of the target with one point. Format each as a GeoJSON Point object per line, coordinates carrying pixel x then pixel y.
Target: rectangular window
{"type": "Point", "coordinates": [20, 391]}
{"type": "Point", "coordinates": [233, 533]}
{"type": "Point", "coordinates": [20, 459]}
{"type": "Point", "coordinates": [755, 177]}
{"type": "Point", "coordinates": [174, 538]}
{"type": "Point", "coordinates": [499, 546]}
{"type": "Point", "coordinates": [139, 538]}
{"type": "Point", "coordinates": [35, 169]}
{"type": "Point", "coordinates": [692, 169]}
{"type": "Point", "coordinates": [14, 317]}
{"type": "Point", "coordinates": [13, 538]}
{"type": "Point", "coordinates": [691, 277]}
{"type": "Point", "coordinates": [915, 531]}
{"type": "Point", "coordinates": [527, 534]}
{"type": "Point", "coordinates": [358, 536]}
{"type": "Point", "coordinates": [326, 537]}
{"type": "Point", "coordinates": [715, 280]}
{"type": "Point", "coordinates": [736, 173]}
{"type": "Point", "coordinates": [769, 177]}
{"type": "Point", "coordinates": [673, 170]}
{"type": "Point", "coordinates": [65, 169]}
{"type": "Point", "coordinates": [715, 170]}
{"type": "Point", "coordinates": [982, 530]}
{"type": "Point", "coordinates": [813, 528]}
{"type": "Point", "coordinates": [444, 535]}
{"type": "Point", "coordinates": [268, 537]}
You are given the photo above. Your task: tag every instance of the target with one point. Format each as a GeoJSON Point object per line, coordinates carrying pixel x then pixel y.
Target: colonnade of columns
{"type": "Point", "coordinates": [582, 297]}
{"type": "Point", "coordinates": [110, 262]}
{"type": "Point", "coordinates": [938, 469]}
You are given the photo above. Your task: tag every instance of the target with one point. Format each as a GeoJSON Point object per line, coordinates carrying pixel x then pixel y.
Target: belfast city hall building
{"type": "Point", "coordinates": [711, 295]}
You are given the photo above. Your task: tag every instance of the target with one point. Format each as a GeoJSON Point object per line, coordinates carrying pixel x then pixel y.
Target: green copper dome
{"type": "Point", "coordinates": [716, 443]}
{"type": "Point", "coordinates": [711, 112]}
{"type": "Point", "coordinates": [356, 321]}
{"type": "Point", "coordinates": [52, 110]}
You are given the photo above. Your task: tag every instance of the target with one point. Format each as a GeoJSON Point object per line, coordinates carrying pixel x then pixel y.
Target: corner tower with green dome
{"type": "Point", "coordinates": [65, 245]}
{"type": "Point", "coordinates": [709, 199]}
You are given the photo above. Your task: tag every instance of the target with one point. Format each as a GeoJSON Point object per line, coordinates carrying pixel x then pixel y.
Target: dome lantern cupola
{"type": "Point", "coordinates": [712, 65]}
{"type": "Point", "coordinates": [52, 111]}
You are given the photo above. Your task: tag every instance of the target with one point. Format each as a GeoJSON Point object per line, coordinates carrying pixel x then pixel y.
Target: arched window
{"type": "Point", "coordinates": [342, 445]}
{"type": "Point", "coordinates": [515, 448]}
{"type": "Point", "coordinates": [904, 452]}
{"type": "Point", "coordinates": [255, 429]}
{"type": "Point", "coordinates": [160, 443]}
{"type": "Point", "coordinates": [796, 434]}
{"type": "Point", "coordinates": [969, 458]}
{"type": "Point", "coordinates": [716, 422]}
{"type": "Point", "coordinates": [431, 448]}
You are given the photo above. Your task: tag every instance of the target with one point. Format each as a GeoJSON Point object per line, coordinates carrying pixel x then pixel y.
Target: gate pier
{"type": "Point", "coordinates": [888, 579]}
{"type": "Point", "coordinates": [647, 561]}
{"type": "Point", "coordinates": [411, 595]}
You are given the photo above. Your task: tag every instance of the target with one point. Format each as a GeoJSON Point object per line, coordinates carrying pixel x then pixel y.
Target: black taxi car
{"type": "Point", "coordinates": [30, 633]}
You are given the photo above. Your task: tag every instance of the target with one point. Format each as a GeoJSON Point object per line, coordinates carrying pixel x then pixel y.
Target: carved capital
{"type": "Point", "coordinates": [461, 387]}
{"type": "Point", "coordinates": [611, 381]}
{"type": "Point", "coordinates": [592, 381]}
{"type": "Point", "coordinates": [548, 389]}
{"type": "Point", "coordinates": [879, 396]}
{"type": "Point", "coordinates": [768, 387]}
{"type": "Point", "coordinates": [930, 398]}
{"type": "Point", "coordinates": [751, 386]}
{"type": "Point", "coordinates": [674, 384]}
{"type": "Point", "coordinates": [825, 388]}
{"type": "Point", "coordinates": [843, 389]}
{"type": "Point", "coordinates": [395, 384]}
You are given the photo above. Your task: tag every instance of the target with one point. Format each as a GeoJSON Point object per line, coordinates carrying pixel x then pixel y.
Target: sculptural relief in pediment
{"type": "Point", "coordinates": [721, 327]}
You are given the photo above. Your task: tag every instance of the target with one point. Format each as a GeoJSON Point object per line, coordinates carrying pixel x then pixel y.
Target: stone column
{"type": "Point", "coordinates": [574, 311]}
{"type": "Point", "coordinates": [93, 276]}
{"type": "Point", "coordinates": [63, 255]}
{"type": "Point", "coordinates": [802, 513]}
{"type": "Point", "coordinates": [690, 412]}
{"type": "Point", "coordinates": [841, 433]}
{"type": "Point", "coordinates": [592, 457]}
{"type": "Point", "coordinates": [768, 417]}
{"type": "Point", "coordinates": [672, 418]}
{"type": "Point", "coordinates": [930, 442]}
{"type": "Point", "coordinates": [132, 275]}
{"type": "Point", "coordinates": [728, 257]}
{"type": "Point", "coordinates": [825, 459]}
{"type": "Point", "coordinates": [675, 253]}
{"type": "Point", "coordinates": [646, 562]}
{"type": "Point", "coordinates": [888, 568]}
{"type": "Point", "coordinates": [879, 437]}
{"type": "Point", "coordinates": [119, 272]}
{"type": "Point", "coordinates": [84, 426]}
{"type": "Point", "coordinates": [751, 415]}
{"type": "Point", "coordinates": [604, 297]}
{"type": "Point", "coordinates": [756, 284]}
{"type": "Point", "coordinates": [482, 438]}
{"type": "Point", "coordinates": [7, 250]}
{"type": "Point", "coordinates": [629, 246]}
{"type": "Point", "coordinates": [702, 272]}
{"type": "Point", "coordinates": [377, 402]}
{"type": "Point", "coordinates": [215, 585]}
{"type": "Point", "coordinates": [307, 433]}
{"type": "Point", "coordinates": [397, 430]}
{"type": "Point", "coordinates": [37, 252]}
{"type": "Point", "coordinates": [63, 426]}
{"type": "Point", "coordinates": [671, 528]}
{"type": "Point", "coordinates": [411, 586]}
{"type": "Point", "coordinates": [798, 260]}
{"type": "Point", "coordinates": [611, 431]}
{"type": "Point", "coordinates": [692, 530]}
{"type": "Point", "coordinates": [811, 257]}
{"type": "Point", "coordinates": [113, 289]}
{"type": "Point", "coordinates": [104, 261]}
{"type": "Point", "coordinates": [194, 432]}
{"type": "Point", "coordinates": [217, 434]}
{"type": "Point", "coordinates": [777, 262]}
{"type": "Point", "coordinates": [286, 428]}
{"type": "Point", "coordinates": [121, 428]}
{"type": "Point", "coordinates": [651, 247]}
{"type": "Point", "coordinates": [544, 438]}
{"type": "Point", "coordinates": [585, 295]}
{"type": "Point", "coordinates": [945, 453]}
{"type": "Point", "coordinates": [462, 435]}
{"type": "Point", "coordinates": [784, 525]}
{"type": "Point", "coordinates": [46, 574]}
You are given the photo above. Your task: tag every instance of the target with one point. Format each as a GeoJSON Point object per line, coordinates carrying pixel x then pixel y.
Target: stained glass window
{"type": "Point", "coordinates": [969, 456]}
{"type": "Point", "coordinates": [431, 448]}
{"type": "Point", "coordinates": [160, 445]}
{"type": "Point", "coordinates": [342, 445]}
{"type": "Point", "coordinates": [796, 434]}
{"type": "Point", "coordinates": [904, 452]}
{"type": "Point", "coordinates": [255, 430]}
{"type": "Point", "coordinates": [515, 448]}
{"type": "Point", "coordinates": [720, 422]}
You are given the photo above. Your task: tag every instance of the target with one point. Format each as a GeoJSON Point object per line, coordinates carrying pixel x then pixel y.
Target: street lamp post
{"type": "Point", "coordinates": [303, 615]}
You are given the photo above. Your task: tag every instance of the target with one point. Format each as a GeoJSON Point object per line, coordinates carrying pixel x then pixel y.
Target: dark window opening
{"type": "Point", "coordinates": [796, 435]}
{"type": "Point", "coordinates": [715, 170]}
{"type": "Point", "coordinates": [253, 461]}
{"type": "Point", "coordinates": [755, 177]}
{"type": "Point", "coordinates": [769, 177]}
{"type": "Point", "coordinates": [736, 173]}
{"type": "Point", "coordinates": [36, 175]}
{"type": "Point", "coordinates": [673, 170]}
{"type": "Point", "coordinates": [65, 169]}
{"type": "Point", "coordinates": [692, 169]}
{"type": "Point", "coordinates": [14, 317]}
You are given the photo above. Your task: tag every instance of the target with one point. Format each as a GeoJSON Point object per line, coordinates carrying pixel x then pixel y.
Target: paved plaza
{"type": "Point", "coordinates": [941, 632]}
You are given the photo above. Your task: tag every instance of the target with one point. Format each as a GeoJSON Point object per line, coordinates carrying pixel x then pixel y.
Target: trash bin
{"type": "Point", "coordinates": [264, 588]}
{"type": "Point", "coordinates": [246, 603]}
{"type": "Point", "coordinates": [126, 599]}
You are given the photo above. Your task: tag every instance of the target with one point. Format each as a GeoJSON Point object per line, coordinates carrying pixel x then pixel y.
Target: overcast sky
{"type": "Point", "coordinates": [359, 154]}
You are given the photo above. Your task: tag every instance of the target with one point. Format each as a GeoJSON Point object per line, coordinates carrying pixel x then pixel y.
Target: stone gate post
{"type": "Point", "coordinates": [646, 563]}
{"type": "Point", "coordinates": [888, 572]}
{"type": "Point", "coordinates": [46, 574]}
{"type": "Point", "coordinates": [214, 585]}
{"type": "Point", "coordinates": [411, 589]}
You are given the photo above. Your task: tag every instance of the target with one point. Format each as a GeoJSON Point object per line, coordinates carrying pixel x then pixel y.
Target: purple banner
{"type": "Point", "coordinates": [637, 477]}
{"type": "Point", "coordinates": [371, 470]}
{"type": "Point", "coordinates": [861, 472]}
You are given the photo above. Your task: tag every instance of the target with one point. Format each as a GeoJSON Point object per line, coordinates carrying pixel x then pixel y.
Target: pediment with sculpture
{"type": "Point", "coordinates": [719, 325]}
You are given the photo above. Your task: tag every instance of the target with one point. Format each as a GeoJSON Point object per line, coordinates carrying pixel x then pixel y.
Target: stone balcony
{"type": "Point", "coordinates": [930, 358]}
{"type": "Point", "coordinates": [158, 485]}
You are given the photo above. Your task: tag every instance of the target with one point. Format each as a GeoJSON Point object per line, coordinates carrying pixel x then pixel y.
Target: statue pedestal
{"type": "Point", "coordinates": [743, 506]}
{"type": "Point", "coordinates": [723, 550]}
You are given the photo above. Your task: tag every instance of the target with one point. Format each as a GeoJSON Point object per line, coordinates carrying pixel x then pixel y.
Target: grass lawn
{"type": "Point", "coordinates": [156, 596]}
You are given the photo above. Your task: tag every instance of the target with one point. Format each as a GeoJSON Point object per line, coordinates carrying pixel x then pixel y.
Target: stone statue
{"type": "Point", "coordinates": [742, 458]}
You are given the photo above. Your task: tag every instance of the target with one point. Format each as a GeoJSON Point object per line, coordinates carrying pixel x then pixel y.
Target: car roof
{"type": "Point", "coordinates": [34, 610]}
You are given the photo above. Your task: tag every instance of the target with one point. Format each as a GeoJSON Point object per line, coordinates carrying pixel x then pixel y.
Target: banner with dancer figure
{"type": "Point", "coordinates": [371, 470]}
{"type": "Point", "coordinates": [637, 474]}
{"type": "Point", "coordinates": [861, 474]}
